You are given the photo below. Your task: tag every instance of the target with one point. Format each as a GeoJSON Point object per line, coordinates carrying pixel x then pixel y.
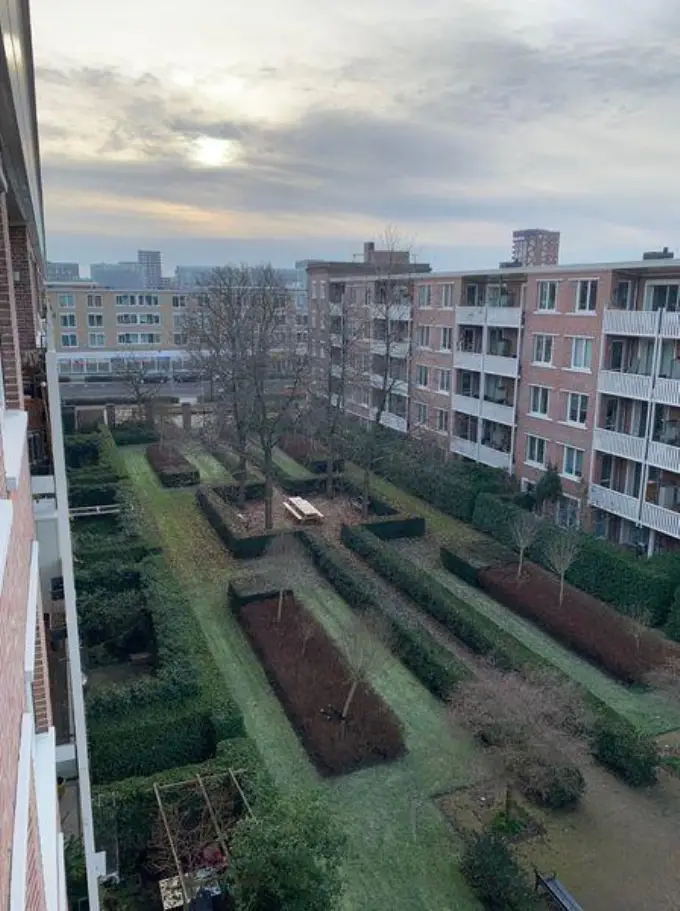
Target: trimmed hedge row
{"type": "Point", "coordinates": [171, 467]}
{"type": "Point", "coordinates": [396, 526]}
{"type": "Point", "coordinates": [229, 527]}
{"type": "Point", "coordinates": [134, 434]}
{"type": "Point", "coordinates": [435, 667]}
{"type": "Point", "coordinates": [495, 876]}
{"type": "Point", "coordinates": [467, 562]}
{"type": "Point", "coordinates": [295, 486]}
{"type": "Point", "coordinates": [303, 450]}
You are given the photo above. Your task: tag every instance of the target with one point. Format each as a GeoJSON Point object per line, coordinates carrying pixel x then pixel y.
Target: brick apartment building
{"type": "Point", "coordinates": [576, 366]}
{"type": "Point", "coordinates": [35, 549]}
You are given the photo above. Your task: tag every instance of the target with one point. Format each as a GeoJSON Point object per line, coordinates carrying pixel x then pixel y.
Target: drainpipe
{"type": "Point", "coordinates": [520, 344]}
{"type": "Point", "coordinates": [656, 358]}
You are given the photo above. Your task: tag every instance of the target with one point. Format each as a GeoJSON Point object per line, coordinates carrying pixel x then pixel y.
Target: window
{"type": "Point", "coordinates": [568, 512]}
{"type": "Point", "coordinates": [422, 375]}
{"type": "Point", "coordinates": [577, 408]}
{"type": "Point", "coordinates": [149, 338]}
{"type": "Point", "coordinates": [659, 296]}
{"type": "Point", "coordinates": [586, 295]}
{"type": "Point", "coordinates": [442, 421]}
{"type": "Point", "coordinates": [424, 295]}
{"type": "Point", "coordinates": [149, 319]}
{"type": "Point", "coordinates": [539, 400]}
{"type": "Point", "coordinates": [67, 320]}
{"type": "Point", "coordinates": [178, 321]}
{"type": "Point", "coordinates": [424, 336]}
{"type": "Point", "coordinates": [581, 353]}
{"type": "Point", "coordinates": [179, 338]}
{"type": "Point", "coordinates": [128, 338]}
{"type": "Point", "coordinates": [69, 340]}
{"type": "Point", "coordinates": [447, 339]}
{"type": "Point", "coordinates": [126, 300]}
{"type": "Point", "coordinates": [179, 300]}
{"type": "Point", "coordinates": [622, 294]}
{"type": "Point", "coordinates": [447, 296]}
{"type": "Point", "coordinates": [547, 295]}
{"type": "Point", "coordinates": [543, 349]}
{"type": "Point", "coordinates": [127, 319]}
{"type": "Point", "coordinates": [573, 462]}
{"type": "Point", "coordinates": [149, 300]}
{"type": "Point", "coordinates": [322, 288]}
{"type": "Point", "coordinates": [472, 296]}
{"type": "Point", "coordinates": [313, 289]}
{"type": "Point", "coordinates": [97, 340]}
{"type": "Point", "coordinates": [365, 397]}
{"type": "Point", "coordinates": [95, 320]}
{"type": "Point", "coordinates": [67, 300]}
{"type": "Point", "coordinates": [445, 381]}
{"type": "Point", "coordinates": [421, 414]}
{"type": "Point", "coordinates": [535, 451]}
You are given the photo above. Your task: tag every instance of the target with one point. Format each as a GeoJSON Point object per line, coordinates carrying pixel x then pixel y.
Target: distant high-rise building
{"type": "Point", "coordinates": [192, 276]}
{"type": "Point", "coordinates": [126, 276]}
{"type": "Point", "coordinates": [63, 272]}
{"type": "Point", "coordinates": [150, 262]}
{"type": "Point", "coordinates": [536, 247]}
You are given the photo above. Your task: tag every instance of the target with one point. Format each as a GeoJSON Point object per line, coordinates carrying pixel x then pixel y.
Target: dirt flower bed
{"type": "Point", "coordinates": [584, 624]}
{"type": "Point", "coordinates": [313, 686]}
{"type": "Point", "coordinates": [307, 452]}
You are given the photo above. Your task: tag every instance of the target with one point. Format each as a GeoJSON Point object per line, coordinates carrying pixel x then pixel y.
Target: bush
{"type": "Point", "coordinates": [134, 434]}
{"type": "Point", "coordinates": [624, 750]}
{"type": "Point", "coordinates": [495, 876]}
{"type": "Point", "coordinates": [396, 526]}
{"type": "Point", "coordinates": [672, 628]}
{"type": "Point", "coordinates": [92, 495]}
{"type": "Point", "coordinates": [306, 451]}
{"type": "Point", "coordinates": [229, 527]}
{"type": "Point", "coordinates": [467, 560]}
{"type": "Point", "coordinates": [555, 785]}
{"type": "Point", "coordinates": [171, 467]}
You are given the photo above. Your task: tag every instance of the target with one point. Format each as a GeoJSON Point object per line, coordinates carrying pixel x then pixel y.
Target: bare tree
{"type": "Point", "coordinates": [289, 566]}
{"type": "Point", "coordinates": [560, 552]}
{"type": "Point", "coordinates": [366, 645]}
{"type": "Point", "coordinates": [524, 528]}
{"type": "Point", "coordinates": [135, 375]}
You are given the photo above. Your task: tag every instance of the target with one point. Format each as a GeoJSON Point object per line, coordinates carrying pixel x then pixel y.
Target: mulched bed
{"type": "Point", "coordinates": [314, 686]}
{"type": "Point", "coordinates": [586, 625]}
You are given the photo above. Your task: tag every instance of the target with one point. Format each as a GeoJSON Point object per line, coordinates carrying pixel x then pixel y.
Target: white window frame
{"type": "Point", "coordinates": [68, 321]}
{"type": "Point", "coordinates": [95, 320]}
{"type": "Point", "coordinates": [541, 339]}
{"type": "Point", "coordinates": [543, 392]}
{"type": "Point", "coordinates": [575, 342]}
{"type": "Point", "coordinates": [420, 369]}
{"type": "Point", "coordinates": [96, 344]}
{"type": "Point", "coordinates": [421, 414]}
{"type": "Point", "coordinates": [591, 295]}
{"type": "Point", "coordinates": [424, 330]}
{"type": "Point", "coordinates": [577, 509]}
{"type": "Point", "coordinates": [67, 301]}
{"type": "Point", "coordinates": [442, 418]}
{"type": "Point", "coordinates": [149, 319]}
{"type": "Point", "coordinates": [545, 297]}
{"type": "Point", "coordinates": [442, 373]}
{"type": "Point", "coordinates": [576, 451]}
{"type": "Point", "coordinates": [448, 299]}
{"type": "Point", "coordinates": [425, 297]}
{"type": "Point", "coordinates": [69, 336]}
{"type": "Point", "coordinates": [447, 331]}
{"type": "Point", "coordinates": [578, 395]}
{"type": "Point", "coordinates": [94, 301]}
{"type": "Point", "coordinates": [532, 438]}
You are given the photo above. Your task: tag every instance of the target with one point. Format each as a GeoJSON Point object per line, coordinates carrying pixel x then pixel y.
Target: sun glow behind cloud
{"type": "Point", "coordinates": [208, 152]}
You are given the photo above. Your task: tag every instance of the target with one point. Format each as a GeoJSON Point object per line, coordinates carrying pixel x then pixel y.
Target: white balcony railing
{"type": "Point", "coordinates": [494, 411]}
{"type": "Point", "coordinates": [663, 455]}
{"type": "Point", "coordinates": [667, 392]}
{"type": "Point", "coordinates": [397, 349]}
{"type": "Point", "coordinates": [467, 404]}
{"type": "Point", "coordinates": [613, 501]}
{"type": "Point", "coordinates": [463, 447]}
{"type": "Point", "coordinates": [629, 385]}
{"type": "Point", "coordinates": [631, 322]}
{"type": "Point", "coordinates": [670, 325]}
{"type": "Point", "coordinates": [501, 366]}
{"type": "Point", "coordinates": [620, 444]}
{"type": "Point", "coordinates": [471, 316]}
{"type": "Point", "coordinates": [666, 521]}
{"type": "Point", "coordinates": [494, 457]}
{"type": "Point", "coordinates": [393, 421]}
{"type": "Point", "coordinates": [467, 360]}
{"type": "Point", "coordinates": [506, 317]}
{"type": "Point", "coordinates": [400, 387]}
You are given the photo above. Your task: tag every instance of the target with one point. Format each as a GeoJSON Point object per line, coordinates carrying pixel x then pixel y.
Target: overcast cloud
{"type": "Point", "coordinates": [289, 128]}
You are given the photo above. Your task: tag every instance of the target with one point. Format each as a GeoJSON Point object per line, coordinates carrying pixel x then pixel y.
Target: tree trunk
{"type": "Point", "coordinates": [508, 803]}
{"type": "Point", "coordinates": [268, 492]}
{"type": "Point", "coordinates": [519, 565]}
{"type": "Point", "coordinates": [279, 610]}
{"type": "Point", "coordinates": [350, 697]}
{"type": "Point", "coordinates": [329, 472]}
{"type": "Point", "coordinates": [242, 469]}
{"type": "Point", "coordinates": [561, 589]}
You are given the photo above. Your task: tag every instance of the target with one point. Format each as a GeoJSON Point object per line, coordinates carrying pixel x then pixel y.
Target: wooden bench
{"type": "Point", "coordinates": [302, 510]}
{"type": "Point", "coordinates": [558, 891]}
{"type": "Point", "coordinates": [298, 516]}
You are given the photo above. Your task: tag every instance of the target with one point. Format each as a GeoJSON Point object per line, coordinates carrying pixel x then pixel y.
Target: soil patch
{"type": "Point", "coordinates": [313, 686]}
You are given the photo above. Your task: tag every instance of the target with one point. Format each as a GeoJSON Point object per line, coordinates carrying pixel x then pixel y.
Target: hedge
{"type": "Point", "coordinates": [467, 561]}
{"type": "Point", "coordinates": [171, 467]}
{"type": "Point", "coordinates": [303, 450]}
{"type": "Point", "coordinates": [228, 526]}
{"type": "Point", "coordinates": [396, 526]}
{"type": "Point", "coordinates": [436, 668]}
{"type": "Point", "coordinates": [246, 589]}
{"type": "Point", "coordinates": [134, 434]}
{"type": "Point", "coordinates": [295, 486]}
{"type": "Point", "coordinates": [495, 876]}
{"type": "Point", "coordinates": [632, 756]}
{"type": "Point", "coordinates": [92, 495]}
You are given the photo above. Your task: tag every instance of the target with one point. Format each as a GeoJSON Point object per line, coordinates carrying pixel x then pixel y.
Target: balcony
{"type": "Point", "coordinates": [504, 317]}
{"type": "Point", "coordinates": [624, 445]}
{"type": "Point", "coordinates": [468, 360]}
{"type": "Point", "coordinates": [467, 404]}
{"type": "Point", "coordinates": [467, 448]}
{"type": "Point", "coordinates": [397, 349]}
{"type": "Point", "coordinates": [667, 391]}
{"type": "Point", "coordinates": [398, 386]}
{"type": "Point", "coordinates": [631, 322]}
{"type": "Point", "coordinates": [670, 325]}
{"type": "Point", "coordinates": [496, 458]}
{"type": "Point", "coordinates": [628, 385]}
{"type": "Point", "coordinates": [612, 501]}
{"type": "Point", "coordinates": [663, 520]}
{"type": "Point", "coordinates": [471, 316]}
{"type": "Point", "coordinates": [499, 412]}
{"type": "Point", "coordinates": [500, 365]}
{"type": "Point", "coordinates": [664, 455]}
{"type": "Point", "coordinates": [393, 421]}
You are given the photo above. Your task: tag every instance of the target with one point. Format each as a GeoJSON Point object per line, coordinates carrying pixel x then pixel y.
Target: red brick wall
{"type": "Point", "coordinates": [25, 290]}
{"type": "Point", "coordinates": [9, 333]}
{"type": "Point", "coordinates": [35, 890]}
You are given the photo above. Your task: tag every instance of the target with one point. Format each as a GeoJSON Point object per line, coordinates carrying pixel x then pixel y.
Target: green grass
{"type": "Point", "coordinates": [401, 855]}
{"type": "Point", "coordinates": [286, 464]}
{"type": "Point", "coordinates": [211, 471]}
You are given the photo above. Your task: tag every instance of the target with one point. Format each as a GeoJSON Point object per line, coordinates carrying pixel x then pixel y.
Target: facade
{"type": "Point", "coordinates": [62, 272]}
{"type": "Point", "coordinates": [36, 568]}
{"type": "Point", "coordinates": [577, 367]}
{"type": "Point", "coordinates": [123, 276]}
{"type": "Point", "coordinates": [151, 266]}
{"type": "Point", "coordinates": [536, 247]}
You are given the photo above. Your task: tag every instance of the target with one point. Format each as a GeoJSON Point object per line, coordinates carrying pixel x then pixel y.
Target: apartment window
{"type": "Point", "coordinates": [178, 321]}
{"type": "Point", "coordinates": [536, 451]}
{"type": "Point", "coordinates": [539, 400]}
{"type": "Point", "coordinates": [573, 462]}
{"type": "Point", "coordinates": [472, 296]}
{"type": "Point", "coordinates": [447, 296]}
{"type": "Point", "coordinates": [622, 294]}
{"type": "Point", "coordinates": [67, 320]}
{"type": "Point", "coordinates": [424, 336]}
{"type": "Point", "coordinates": [67, 300]}
{"type": "Point", "coordinates": [95, 320]}
{"type": "Point", "coordinates": [581, 353]}
{"type": "Point", "coordinates": [179, 338]}
{"type": "Point", "coordinates": [313, 289]}
{"type": "Point", "coordinates": [365, 397]}
{"type": "Point", "coordinates": [447, 339]}
{"type": "Point", "coordinates": [424, 295]}
{"type": "Point", "coordinates": [421, 414]}
{"type": "Point", "coordinates": [568, 512]}
{"type": "Point", "coordinates": [126, 300]}
{"type": "Point", "coordinates": [442, 421]}
{"type": "Point", "coordinates": [179, 300]}
{"type": "Point", "coordinates": [128, 338]}
{"type": "Point", "coordinates": [659, 296]}
{"type": "Point", "coordinates": [97, 340]}
{"type": "Point", "coordinates": [547, 295]}
{"type": "Point", "coordinates": [322, 290]}
{"type": "Point", "coordinates": [422, 375]}
{"type": "Point", "coordinates": [543, 349]}
{"type": "Point", "coordinates": [149, 319]}
{"type": "Point", "coordinates": [149, 300]}
{"type": "Point", "coordinates": [577, 408]}
{"type": "Point", "coordinates": [586, 295]}
{"type": "Point", "coordinates": [149, 338]}
{"type": "Point", "coordinates": [94, 300]}
{"type": "Point", "coordinates": [127, 319]}
{"type": "Point", "coordinates": [444, 380]}
{"type": "Point", "coordinates": [69, 340]}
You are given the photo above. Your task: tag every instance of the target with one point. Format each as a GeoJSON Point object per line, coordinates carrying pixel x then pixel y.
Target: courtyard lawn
{"type": "Point", "coordinates": [400, 854]}
{"type": "Point", "coordinates": [286, 464]}
{"type": "Point", "coordinates": [211, 471]}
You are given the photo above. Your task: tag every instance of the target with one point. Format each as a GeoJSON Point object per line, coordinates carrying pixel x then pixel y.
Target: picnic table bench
{"type": "Point", "coordinates": [558, 891]}
{"type": "Point", "coordinates": [302, 510]}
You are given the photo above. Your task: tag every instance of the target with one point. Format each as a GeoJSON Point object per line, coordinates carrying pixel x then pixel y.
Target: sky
{"type": "Point", "coordinates": [285, 129]}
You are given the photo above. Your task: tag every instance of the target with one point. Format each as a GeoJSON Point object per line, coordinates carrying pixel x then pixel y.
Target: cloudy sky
{"type": "Point", "coordinates": [287, 128]}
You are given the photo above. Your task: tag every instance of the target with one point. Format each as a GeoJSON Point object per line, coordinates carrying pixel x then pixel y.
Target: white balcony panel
{"type": "Point", "coordinates": [666, 521]}
{"type": "Point", "coordinates": [667, 392]}
{"type": "Point", "coordinates": [467, 360]}
{"type": "Point", "coordinates": [662, 455]}
{"type": "Point", "coordinates": [336, 370]}
{"type": "Point", "coordinates": [494, 457]}
{"type": "Point", "coordinates": [397, 349]}
{"type": "Point", "coordinates": [613, 501]}
{"type": "Point", "coordinates": [631, 322]}
{"type": "Point", "coordinates": [620, 444]}
{"type": "Point", "coordinates": [503, 414]}
{"type": "Point", "coordinates": [393, 422]}
{"type": "Point", "coordinates": [471, 316]}
{"type": "Point", "coordinates": [501, 366]}
{"type": "Point", "coordinates": [400, 387]}
{"type": "Point", "coordinates": [467, 404]}
{"type": "Point", "coordinates": [506, 317]}
{"type": "Point", "coordinates": [463, 447]}
{"type": "Point", "coordinates": [629, 385]}
{"type": "Point", "coordinates": [670, 325]}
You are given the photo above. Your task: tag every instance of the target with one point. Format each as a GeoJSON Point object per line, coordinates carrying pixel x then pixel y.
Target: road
{"type": "Point", "coordinates": [71, 392]}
